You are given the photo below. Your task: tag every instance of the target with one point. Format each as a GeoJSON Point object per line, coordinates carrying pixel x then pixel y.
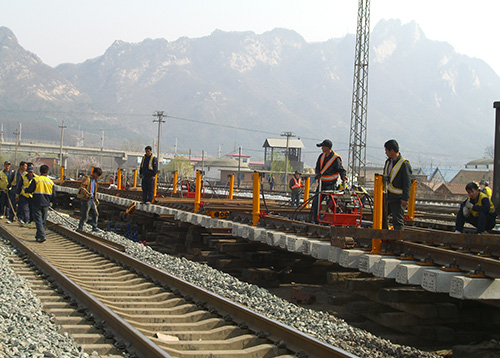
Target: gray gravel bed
{"type": "Point", "coordinates": [318, 324]}
{"type": "Point", "coordinates": [25, 330]}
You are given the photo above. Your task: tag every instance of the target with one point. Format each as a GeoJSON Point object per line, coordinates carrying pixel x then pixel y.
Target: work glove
{"type": "Point", "coordinates": [466, 212]}
{"type": "Point", "coordinates": [468, 205]}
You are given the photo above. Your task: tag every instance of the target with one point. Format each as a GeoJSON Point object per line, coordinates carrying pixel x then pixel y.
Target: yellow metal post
{"type": "Point", "coordinates": [155, 186]}
{"type": "Point", "coordinates": [256, 199]}
{"type": "Point", "coordinates": [307, 187]}
{"type": "Point", "coordinates": [62, 174]}
{"type": "Point", "coordinates": [135, 178]}
{"type": "Point", "coordinates": [231, 187]}
{"type": "Point", "coordinates": [174, 184]}
{"type": "Point", "coordinates": [413, 199]}
{"type": "Point", "coordinates": [119, 179]}
{"type": "Point", "coordinates": [378, 210]}
{"type": "Point", "coordinates": [197, 192]}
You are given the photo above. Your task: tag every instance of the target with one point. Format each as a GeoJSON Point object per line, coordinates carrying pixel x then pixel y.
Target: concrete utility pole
{"type": "Point", "coordinates": [160, 120]}
{"type": "Point", "coordinates": [357, 138]}
{"type": "Point", "coordinates": [17, 132]}
{"type": "Point", "coordinates": [62, 126]}
{"type": "Point", "coordinates": [239, 165]}
{"type": "Point", "coordinates": [496, 158]}
{"type": "Point", "coordinates": [287, 135]}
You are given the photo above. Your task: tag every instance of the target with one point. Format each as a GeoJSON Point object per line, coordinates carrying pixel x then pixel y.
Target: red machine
{"type": "Point", "coordinates": [340, 208]}
{"type": "Point", "coordinates": [188, 188]}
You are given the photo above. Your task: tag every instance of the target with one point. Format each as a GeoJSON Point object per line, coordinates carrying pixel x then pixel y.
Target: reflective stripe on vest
{"type": "Point", "coordinates": [296, 183]}
{"type": "Point", "coordinates": [331, 177]}
{"type": "Point", "coordinates": [150, 164]}
{"type": "Point", "coordinates": [44, 185]}
{"type": "Point", "coordinates": [394, 172]}
{"type": "Point", "coordinates": [479, 203]}
{"type": "Point", "coordinates": [4, 180]}
{"type": "Point", "coordinates": [26, 184]}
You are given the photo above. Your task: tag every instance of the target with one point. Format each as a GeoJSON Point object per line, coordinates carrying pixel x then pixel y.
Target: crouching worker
{"type": "Point", "coordinates": [43, 191]}
{"type": "Point", "coordinates": [477, 210]}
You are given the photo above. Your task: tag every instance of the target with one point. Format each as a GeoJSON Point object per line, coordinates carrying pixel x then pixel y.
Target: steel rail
{"type": "Point", "coordinates": [292, 337]}
{"type": "Point", "coordinates": [140, 344]}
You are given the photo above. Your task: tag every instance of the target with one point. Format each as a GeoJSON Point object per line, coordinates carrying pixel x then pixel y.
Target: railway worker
{"type": "Point", "coordinates": [147, 172]}
{"type": "Point", "coordinates": [12, 191]}
{"type": "Point", "coordinates": [478, 210]}
{"type": "Point", "coordinates": [397, 173]}
{"type": "Point", "coordinates": [43, 191]}
{"type": "Point", "coordinates": [24, 199]}
{"type": "Point", "coordinates": [6, 176]}
{"type": "Point", "coordinates": [87, 193]}
{"type": "Point", "coordinates": [484, 187]}
{"type": "Point", "coordinates": [295, 184]}
{"type": "Point", "coordinates": [328, 169]}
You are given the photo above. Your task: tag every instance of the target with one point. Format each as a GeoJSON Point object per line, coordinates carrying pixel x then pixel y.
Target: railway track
{"type": "Point", "coordinates": [151, 313]}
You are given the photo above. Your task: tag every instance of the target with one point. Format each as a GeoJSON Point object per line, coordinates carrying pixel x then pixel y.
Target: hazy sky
{"type": "Point", "coordinates": [61, 31]}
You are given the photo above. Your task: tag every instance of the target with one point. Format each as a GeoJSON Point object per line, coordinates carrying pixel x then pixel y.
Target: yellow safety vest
{"type": "Point", "coordinates": [26, 184]}
{"type": "Point", "coordinates": [150, 164]}
{"type": "Point", "coordinates": [4, 180]}
{"type": "Point", "coordinates": [394, 172]}
{"type": "Point", "coordinates": [44, 185]}
{"type": "Point", "coordinates": [479, 203]}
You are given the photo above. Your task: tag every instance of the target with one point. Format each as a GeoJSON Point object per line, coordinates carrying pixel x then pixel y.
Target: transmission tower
{"type": "Point", "coordinates": [357, 138]}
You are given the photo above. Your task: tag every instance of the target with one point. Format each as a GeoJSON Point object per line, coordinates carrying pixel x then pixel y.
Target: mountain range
{"type": "Point", "coordinates": [233, 89]}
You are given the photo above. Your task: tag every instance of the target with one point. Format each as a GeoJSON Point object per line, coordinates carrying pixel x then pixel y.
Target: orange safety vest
{"type": "Point", "coordinates": [324, 168]}
{"type": "Point", "coordinates": [296, 183]}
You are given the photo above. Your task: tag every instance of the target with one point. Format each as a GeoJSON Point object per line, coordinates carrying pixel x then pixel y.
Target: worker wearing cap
{"type": "Point", "coordinates": [397, 172]}
{"type": "Point", "coordinates": [484, 187]}
{"type": "Point", "coordinates": [43, 191]}
{"type": "Point", "coordinates": [12, 188]}
{"type": "Point", "coordinates": [147, 172]}
{"type": "Point", "coordinates": [295, 184]}
{"type": "Point", "coordinates": [24, 202]}
{"type": "Point", "coordinates": [328, 169]}
{"type": "Point", "coordinates": [6, 176]}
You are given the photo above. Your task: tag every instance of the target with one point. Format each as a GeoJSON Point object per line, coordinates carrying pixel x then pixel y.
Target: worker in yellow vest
{"type": "Point", "coordinates": [6, 176]}
{"type": "Point", "coordinates": [24, 202]}
{"type": "Point", "coordinates": [478, 210]}
{"type": "Point", "coordinates": [484, 186]}
{"type": "Point", "coordinates": [43, 191]}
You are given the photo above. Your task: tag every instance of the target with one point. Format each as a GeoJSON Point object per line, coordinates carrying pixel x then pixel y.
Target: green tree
{"type": "Point", "coordinates": [182, 165]}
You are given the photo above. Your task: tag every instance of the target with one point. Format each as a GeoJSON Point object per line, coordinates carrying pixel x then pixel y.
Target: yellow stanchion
{"type": "Point", "coordinates": [197, 192]}
{"type": "Point", "coordinates": [61, 175]}
{"type": "Point", "coordinates": [256, 199]}
{"type": "Point", "coordinates": [155, 187]}
{"type": "Point", "coordinates": [307, 187]}
{"type": "Point", "coordinates": [231, 187]}
{"type": "Point", "coordinates": [135, 179]}
{"type": "Point", "coordinates": [174, 184]}
{"type": "Point", "coordinates": [119, 179]}
{"type": "Point", "coordinates": [413, 199]}
{"type": "Point", "coordinates": [378, 210]}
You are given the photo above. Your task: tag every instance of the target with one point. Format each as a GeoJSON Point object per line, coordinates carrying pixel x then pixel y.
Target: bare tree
{"type": "Point", "coordinates": [489, 151]}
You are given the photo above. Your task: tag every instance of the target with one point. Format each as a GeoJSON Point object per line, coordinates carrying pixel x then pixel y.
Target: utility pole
{"type": "Point", "coordinates": [357, 138]}
{"type": "Point", "coordinates": [1, 137]}
{"type": "Point", "coordinates": [287, 135]}
{"type": "Point", "coordinates": [102, 144]}
{"type": "Point", "coordinates": [62, 126]}
{"type": "Point", "coordinates": [239, 165]}
{"type": "Point", "coordinates": [160, 120]}
{"type": "Point", "coordinates": [17, 133]}
{"type": "Point", "coordinates": [20, 131]}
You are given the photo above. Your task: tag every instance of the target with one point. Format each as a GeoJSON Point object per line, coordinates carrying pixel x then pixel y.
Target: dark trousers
{"type": "Point", "coordinates": [13, 207]}
{"type": "Point", "coordinates": [23, 209]}
{"type": "Point", "coordinates": [482, 222]}
{"type": "Point", "coordinates": [148, 184]}
{"type": "Point", "coordinates": [88, 207]}
{"type": "Point", "coordinates": [295, 197]}
{"type": "Point", "coordinates": [40, 215]}
{"type": "Point", "coordinates": [398, 213]}
{"type": "Point", "coordinates": [315, 205]}
{"type": "Point", "coordinates": [4, 203]}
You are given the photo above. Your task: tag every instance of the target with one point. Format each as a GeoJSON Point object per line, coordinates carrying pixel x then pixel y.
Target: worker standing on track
{"type": "Point", "coordinates": [397, 174]}
{"type": "Point", "coordinates": [295, 184]}
{"type": "Point", "coordinates": [12, 191]}
{"type": "Point", "coordinates": [6, 176]}
{"type": "Point", "coordinates": [43, 191]}
{"type": "Point", "coordinates": [477, 210]}
{"type": "Point", "coordinates": [24, 202]}
{"type": "Point", "coordinates": [328, 169]}
{"type": "Point", "coordinates": [87, 193]}
{"type": "Point", "coordinates": [148, 170]}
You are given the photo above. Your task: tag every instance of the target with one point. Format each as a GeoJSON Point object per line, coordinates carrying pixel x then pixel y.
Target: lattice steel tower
{"type": "Point", "coordinates": [357, 138]}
